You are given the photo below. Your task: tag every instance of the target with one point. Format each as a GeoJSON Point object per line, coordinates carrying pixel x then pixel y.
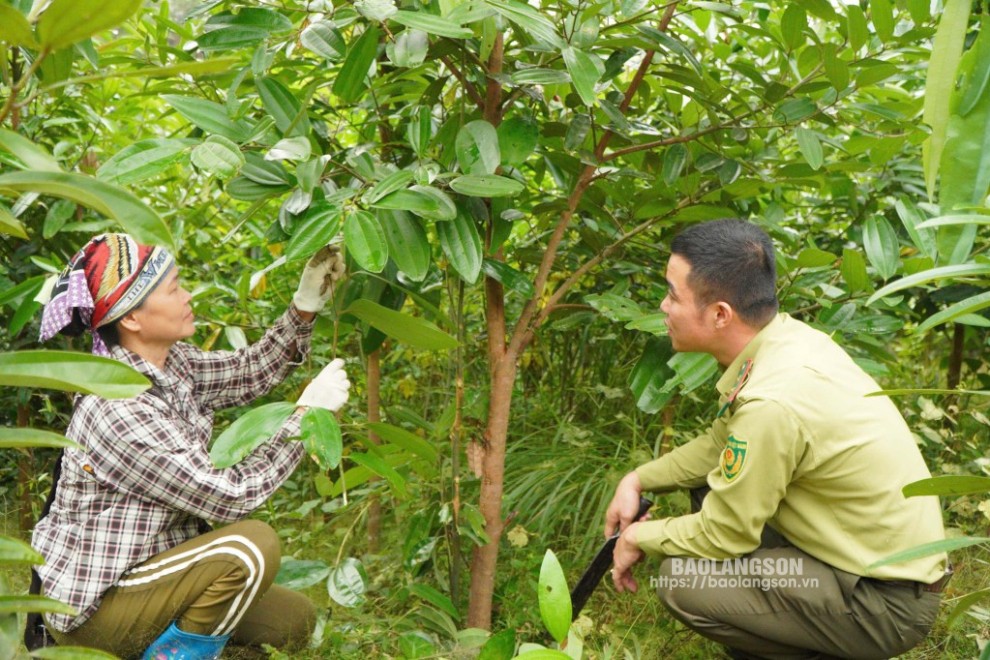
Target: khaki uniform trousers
{"type": "Point", "coordinates": [822, 613]}
{"type": "Point", "coordinates": [215, 584]}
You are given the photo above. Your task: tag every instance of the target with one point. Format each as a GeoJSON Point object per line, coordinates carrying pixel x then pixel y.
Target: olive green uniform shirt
{"type": "Point", "coordinates": [798, 445]}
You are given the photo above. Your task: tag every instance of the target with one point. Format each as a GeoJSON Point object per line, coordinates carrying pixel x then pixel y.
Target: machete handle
{"type": "Point", "coordinates": [644, 506]}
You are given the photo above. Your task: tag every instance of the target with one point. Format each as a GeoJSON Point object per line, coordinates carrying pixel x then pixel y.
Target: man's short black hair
{"type": "Point", "coordinates": [733, 261]}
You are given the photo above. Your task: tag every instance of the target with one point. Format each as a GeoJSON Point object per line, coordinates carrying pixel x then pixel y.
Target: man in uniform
{"type": "Point", "coordinates": [798, 457]}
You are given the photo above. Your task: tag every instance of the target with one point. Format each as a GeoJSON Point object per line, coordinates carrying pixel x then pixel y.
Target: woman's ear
{"type": "Point", "coordinates": [129, 322]}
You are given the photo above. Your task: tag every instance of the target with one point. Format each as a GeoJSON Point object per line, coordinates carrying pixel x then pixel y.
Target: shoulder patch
{"type": "Point", "coordinates": [733, 458]}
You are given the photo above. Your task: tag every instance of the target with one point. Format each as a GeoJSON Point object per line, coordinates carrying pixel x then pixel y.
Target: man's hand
{"type": "Point", "coordinates": [323, 270]}
{"type": "Point", "coordinates": [329, 388]}
{"type": "Point", "coordinates": [626, 555]}
{"type": "Point", "coordinates": [624, 506]}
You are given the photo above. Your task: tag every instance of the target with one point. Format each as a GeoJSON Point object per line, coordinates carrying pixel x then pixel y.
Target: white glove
{"type": "Point", "coordinates": [329, 388]}
{"type": "Point", "coordinates": [323, 270]}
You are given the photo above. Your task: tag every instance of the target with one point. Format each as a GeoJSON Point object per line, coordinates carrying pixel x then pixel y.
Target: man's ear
{"type": "Point", "coordinates": [724, 314]}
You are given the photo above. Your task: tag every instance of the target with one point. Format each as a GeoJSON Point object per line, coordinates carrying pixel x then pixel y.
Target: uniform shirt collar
{"type": "Point", "coordinates": [735, 371]}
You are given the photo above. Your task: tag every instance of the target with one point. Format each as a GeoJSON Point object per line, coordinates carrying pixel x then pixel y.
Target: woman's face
{"type": "Point", "coordinates": [166, 317]}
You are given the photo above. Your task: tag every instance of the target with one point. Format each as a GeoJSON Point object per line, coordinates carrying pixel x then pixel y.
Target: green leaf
{"type": "Point", "coordinates": [377, 465]}
{"type": "Point", "coordinates": [649, 377]}
{"type": "Point", "coordinates": [929, 549]}
{"type": "Point", "coordinates": [365, 241]}
{"type": "Point", "coordinates": [287, 111]}
{"type": "Point", "coordinates": [30, 154]}
{"type": "Point", "coordinates": [490, 185]}
{"type": "Point", "coordinates": [248, 432]}
{"type": "Point", "coordinates": [931, 275]}
{"type": "Point", "coordinates": [431, 24]}
{"type": "Point", "coordinates": [10, 225]}
{"type": "Point", "coordinates": [218, 156]}
{"type": "Point", "coordinates": [461, 242]}
{"type": "Point", "coordinates": [853, 270]}
{"type": "Point", "coordinates": [321, 436]}
{"type": "Point", "coordinates": [814, 258]}
{"type": "Point", "coordinates": [539, 76]}
{"type": "Point", "coordinates": [417, 332]}
{"type": "Point", "coordinates": [324, 39]}
{"type": "Point", "coordinates": [585, 70]}
{"type": "Point", "coordinates": [407, 243]}
{"type": "Point", "coordinates": [209, 116]}
{"type": "Point", "coordinates": [554, 597]}
{"type": "Point", "coordinates": [435, 598]}
{"type": "Point", "coordinates": [28, 437]}
{"type": "Point", "coordinates": [71, 372]}
{"type": "Point", "coordinates": [543, 654]}
{"type": "Point", "coordinates": [133, 215]}
{"type": "Point", "coordinates": [318, 225]}
{"type": "Point", "coordinates": [961, 219]}
{"type": "Point", "coordinates": [409, 48]}
{"type": "Point", "coordinates": [692, 370]}
{"type": "Point", "coordinates": [499, 646]}
{"type": "Point", "coordinates": [142, 160]}
{"type": "Point", "coordinates": [28, 288]}
{"type": "Point", "coordinates": [881, 245]}
{"type": "Point", "coordinates": [948, 485]}
{"type": "Point", "coordinates": [15, 29]}
{"type": "Point", "coordinates": [477, 148]}
{"type": "Point", "coordinates": [346, 584]}
{"type": "Point", "coordinates": [17, 551]}
{"type": "Point", "coordinates": [859, 32]}
{"type": "Point", "coordinates": [940, 81]}
{"type": "Point", "coordinates": [517, 139]}
{"type": "Point", "coordinates": [231, 38]}
{"type": "Point", "coordinates": [529, 19]}
{"type": "Point", "coordinates": [64, 22]}
{"type": "Point", "coordinates": [58, 214]}
{"type": "Point", "coordinates": [406, 440]}
{"type": "Point", "coordinates": [673, 163]}
{"type": "Point", "coordinates": [296, 148]}
{"type": "Point", "coordinates": [298, 574]}
{"type": "Point", "coordinates": [351, 81]}
{"type": "Point", "coordinates": [963, 307]}
{"type": "Point", "coordinates": [14, 604]}
{"type": "Point", "coordinates": [793, 23]}
{"type": "Point", "coordinates": [810, 146]}
{"type": "Point", "coordinates": [508, 276]}
{"type": "Point", "coordinates": [795, 110]}
{"type": "Point", "coordinates": [911, 218]}
{"type": "Point", "coordinates": [882, 13]}
{"type": "Point", "coordinates": [963, 603]}
{"type": "Point", "coordinates": [390, 184]}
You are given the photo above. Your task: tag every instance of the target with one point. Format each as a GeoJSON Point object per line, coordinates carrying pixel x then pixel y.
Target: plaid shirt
{"type": "Point", "coordinates": [145, 479]}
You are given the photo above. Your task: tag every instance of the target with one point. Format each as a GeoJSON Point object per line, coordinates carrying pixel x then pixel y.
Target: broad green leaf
{"type": "Point", "coordinates": [477, 148]}
{"type": "Point", "coordinates": [614, 307]}
{"type": "Point", "coordinates": [934, 274]}
{"type": "Point", "coordinates": [265, 172]}
{"type": "Point", "coordinates": [859, 32]}
{"type": "Point", "coordinates": [963, 307]}
{"type": "Point", "coordinates": [835, 68]}
{"type": "Point", "coordinates": [948, 485]}
{"type": "Point", "coordinates": [409, 49]}
{"type": "Point", "coordinates": [499, 646]}
{"type": "Point", "coordinates": [27, 437]}
{"type": "Point", "coordinates": [795, 110]}
{"type": "Point", "coordinates": [961, 219]}
{"type": "Point", "coordinates": [351, 81]}
{"type": "Point", "coordinates": [218, 156]}
{"type": "Point", "coordinates": [793, 23]}
{"type": "Point", "coordinates": [58, 214]}
{"type": "Point", "coordinates": [882, 13]}
{"type": "Point", "coordinates": [15, 29]}
{"type": "Point", "coordinates": [377, 465]}
{"type": "Point", "coordinates": [416, 645]}
{"type": "Point", "coordinates": [209, 116]}
{"type": "Point", "coordinates": [585, 70]}
{"type": "Point", "coordinates": [365, 241]}
{"type": "Point", "coordinates": [962, 605]}
{"type": "Point", "coordinates": [287, 111]}
{"type": "Point", "coordinates": [929, 549]}
{"type": "Point", "coordinates": [142, 160]}
{"type": "Point", "coordinates": [441, 209]}
{"type": "Point", "coordinates": [407, 243]}
{"type": "Point", "coordinates": [554, 597]}
{"type": "Point", "coordinates": [14, 604]}
{"type": "Point", "coordinates": [814, 258]}
{"type": "Point", "coordinates": [318, 225]}
{"type": "Point", "coordinates": [853, 270]}
{"type": "Point", "coordinates": [324, 39]}
{"type": "Point", "coordinates": [10, 225]}
{"type": "Point", "coordinates": [64, 22]}
{"type": "Point", "coordinates": [27, 288]}
{"type": "Point", "coordinates": [673, 163]}
{"type": "Point", "coordinates": [193, 68]}
{"type": "Point", "coordinates": [461, 242]}
{"type": "Point", "coordinates": [912, 218]}
{"type": "Point", "coordinates": [346, 584]}
{"type": "Point", "coordinates": [881, 245]}
{"type": "Point", "coordinates": [940, 81]}
{"type": "Point", "coordinates": [260, 18]}
{"type": "Point", "coordinates": [810, 146]}
{"type": "Point", "coordinates": [490, 185]}
{"type": "Point", "coordinates": [231, 38]}
{"type": "Point", "coordinates": [543, 654]}
{"type": "Point", "coordinates": [517, 139]}
{"type": "Point", "coordinates": [431, 24]}
{"type": "Point", "coordinates": [248, 432]}
{"type": "Point", "coordinates": [692, 370]}
{"type": "Point", "coordinates": [71, 372]}
{"type": "Point", "coordinates": [976, 78]}
{"type": "Point", "coordinates": [291, 148]}
{"type": "Point", "coordinates": [390, 184]}
{"type": "Point", "coordinates": [403, 438]}
{"type": "Point", "coordinates": [508, 276]}
{"type": "Point", "coordinates": [539, 76]}
{"type": "Point", "coordinates": [650, 375]}
{"type": "Point", "coordinates": [529, 19]}
{"type": "Point", "coordinates": [435, 598]}
{"type": "Point", "coordinates": [321, 436]}
{"type": "Point", "coordinates": [653, 324]}
{"type": "Point", "coordinates": [298, 574]}
{"type": "Point", "coordinates": [30, 154]}
{"type": "Point", "coordinates": [17, 551]}
{"type": "Point", "coordinates": [412, 330]}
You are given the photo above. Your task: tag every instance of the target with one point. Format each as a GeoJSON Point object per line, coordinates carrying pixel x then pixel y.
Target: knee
{"type": "Point", "coordinates": [302, 624]}
{"type": "Point", "coordinates": [262, 543]}
{"type": "Point", "coordinates": [677, 592]}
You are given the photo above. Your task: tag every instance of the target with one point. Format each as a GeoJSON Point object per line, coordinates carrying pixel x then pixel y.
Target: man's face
{"type": "Point", "coordinates": [691, 328]}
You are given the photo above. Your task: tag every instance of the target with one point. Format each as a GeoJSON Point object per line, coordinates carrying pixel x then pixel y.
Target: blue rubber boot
{"type": "Point", "coordinates": [175, 644]}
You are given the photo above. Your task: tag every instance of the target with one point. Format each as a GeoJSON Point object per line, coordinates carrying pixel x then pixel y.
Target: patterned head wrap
{"type": "Point", "coordinates": [108, 278]}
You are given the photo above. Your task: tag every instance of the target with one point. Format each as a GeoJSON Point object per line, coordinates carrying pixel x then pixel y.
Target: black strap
{"type": "Point", "coordinates": [36, 636]}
